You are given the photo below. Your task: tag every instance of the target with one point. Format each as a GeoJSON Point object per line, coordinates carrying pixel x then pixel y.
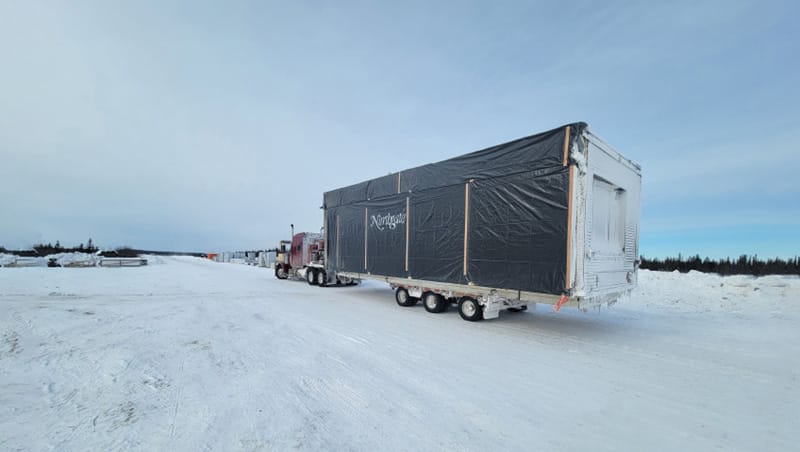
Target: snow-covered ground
{"type": "Point", "coordinates": [187, 354]}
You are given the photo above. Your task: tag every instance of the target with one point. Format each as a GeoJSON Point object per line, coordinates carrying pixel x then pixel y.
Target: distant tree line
{"type": "Point", "coordinates": [46, 249]}
{"type": "Point", "coordinates": [744, 265]}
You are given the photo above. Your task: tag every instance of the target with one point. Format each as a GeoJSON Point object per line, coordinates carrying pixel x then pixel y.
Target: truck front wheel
{"type": "Point", "coordinates": [469, 309]}
{"type": "Point", "coordinates": [403, 298]}
{"type": "Point", "coordinates": [280, 273]}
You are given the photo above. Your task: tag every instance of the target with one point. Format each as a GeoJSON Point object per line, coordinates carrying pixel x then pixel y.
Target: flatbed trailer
{"type": "Point", "coordinates": [551, 218]}
{"type": "Point", "coordinates": [492, 300]}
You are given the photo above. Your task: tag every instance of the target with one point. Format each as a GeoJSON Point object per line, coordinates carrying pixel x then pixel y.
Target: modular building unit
{"type": "Point", "coordinates": [553, 218]}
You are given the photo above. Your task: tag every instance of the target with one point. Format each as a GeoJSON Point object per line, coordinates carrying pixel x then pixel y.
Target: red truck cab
{"type": "Point", "coordinates": [306, 248]}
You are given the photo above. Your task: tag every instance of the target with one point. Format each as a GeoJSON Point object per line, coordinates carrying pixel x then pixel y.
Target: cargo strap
{"type": "Point", "coordinates": [561, 302]}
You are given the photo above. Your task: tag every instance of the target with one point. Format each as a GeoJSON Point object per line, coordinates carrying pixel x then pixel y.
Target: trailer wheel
{"type": "Point", "coordinates": [519, 309]}
{"type": "Point", "coordinates": [280, 273]}
{"type": "Point", "coordinates": [433, 302]}
{"type": "Point", "coordinates": [311, 277]}
{"type": "Point", "coordinates": [321, 280]}
{"type": "Point", "coordinates": [469, 309]}
{"type": "Point", "coordinates": [404, 299]}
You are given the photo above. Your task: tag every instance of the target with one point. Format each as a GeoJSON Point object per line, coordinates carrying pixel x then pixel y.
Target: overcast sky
{"type": "Point", "coordinates": [202, 126]}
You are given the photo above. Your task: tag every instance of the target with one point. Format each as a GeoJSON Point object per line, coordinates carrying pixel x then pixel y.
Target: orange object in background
{"type": "Point", "coordinates": [212, 256]}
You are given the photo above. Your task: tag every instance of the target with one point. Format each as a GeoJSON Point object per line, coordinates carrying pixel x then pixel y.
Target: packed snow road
{"type": "Point", "coordinates": [187, 354]}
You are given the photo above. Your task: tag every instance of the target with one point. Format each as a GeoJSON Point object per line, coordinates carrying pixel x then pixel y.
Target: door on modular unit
{"type": "Point", "coordinates": [608, 218]}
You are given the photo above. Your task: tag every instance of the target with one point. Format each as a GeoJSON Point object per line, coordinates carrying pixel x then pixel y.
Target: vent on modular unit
{"type": "Point", "coordinates": [630, 243]}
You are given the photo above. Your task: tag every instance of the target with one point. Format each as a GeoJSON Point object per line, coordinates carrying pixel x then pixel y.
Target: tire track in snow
{"type": "Point", "coordinates": [177, 403]}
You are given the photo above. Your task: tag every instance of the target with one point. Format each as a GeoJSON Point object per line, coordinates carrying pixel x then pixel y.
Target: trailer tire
{"type": "Point", "coordinates": [433, 302]}
{"type": "Point", "coordinates": [469, 309]}
{"type": "Point", "coordinates": [311, 277]}
{"type": "Point", "coordinates": [404, 299]}
{"type": "Point", "coordinates": [321, 279]}
{"type": "Point", "coordinates": [280, 273]}
{"type": "Point", "coordinates": [519, 309]}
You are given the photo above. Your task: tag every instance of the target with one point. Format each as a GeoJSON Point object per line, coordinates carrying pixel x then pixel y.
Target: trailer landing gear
{"type": "Point", "coordinates": [403, 298]}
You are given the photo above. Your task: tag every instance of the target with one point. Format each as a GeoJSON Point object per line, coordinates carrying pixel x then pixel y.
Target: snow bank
{"type": "Point", "coordinates": [696, 292]}
{"type": "Point", "coordinates": [7, 259]}
{"type": "Point", "coordinates": [75, 259]}
{"type": "Point", "coordinates": [63, 259]}
{"type": "Point", "coordinates": [153, 259]}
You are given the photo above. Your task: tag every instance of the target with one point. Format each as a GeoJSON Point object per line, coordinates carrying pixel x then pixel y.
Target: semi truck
{"type": "Point", "coordinates": [303, 257]}
{"type": "Point", "coordinates": [550, 218]}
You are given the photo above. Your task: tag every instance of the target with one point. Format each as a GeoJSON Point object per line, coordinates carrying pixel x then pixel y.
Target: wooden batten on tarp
{"type": "Point", "coordinates": [408, 215]}
{"type": "Point", "coordinates": [466, 223]}
{"type": "Point", "coordinates": [338, 244]}
{"type": "Point", "coordinates": [567, 275]}
{"type": "Point", "coordinates": [366, 232]}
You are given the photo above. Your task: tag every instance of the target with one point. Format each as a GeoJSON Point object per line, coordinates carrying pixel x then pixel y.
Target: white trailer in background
{"type": "Point", "coordinates": [266, 258]}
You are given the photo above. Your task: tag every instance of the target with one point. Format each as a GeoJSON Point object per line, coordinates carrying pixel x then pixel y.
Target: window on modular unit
{"type": "Point", "coordinates": [608, 218]}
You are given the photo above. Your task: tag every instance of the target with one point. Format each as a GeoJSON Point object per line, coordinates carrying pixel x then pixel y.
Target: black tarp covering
{"type": "Point", "coordinates": [436, 248]}
{"type": "Point", "coordinates": [518, 230]}
{"type": "Point", "coordinates": [346, 238]}
{"type": "Point", "coordinates": [386, 236]}
{"type": "Point", "coordinates": [516, 226]}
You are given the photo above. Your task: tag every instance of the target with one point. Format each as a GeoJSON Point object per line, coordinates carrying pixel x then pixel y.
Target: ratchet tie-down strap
{"type": "Point", "coordinates": [561, 302]}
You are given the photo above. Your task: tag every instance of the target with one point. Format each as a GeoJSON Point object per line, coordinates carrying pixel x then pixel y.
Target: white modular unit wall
{"type": "Point", "coordinates": [607, 196]}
